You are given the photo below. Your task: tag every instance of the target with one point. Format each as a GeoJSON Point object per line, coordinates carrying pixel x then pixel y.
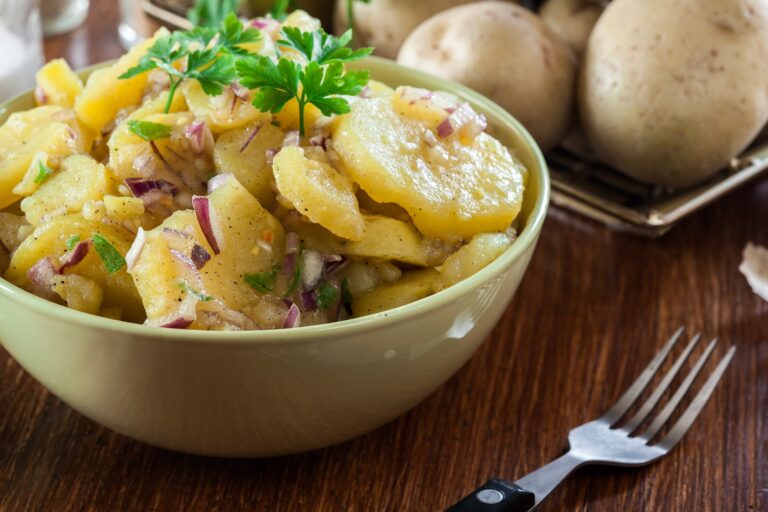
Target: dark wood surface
{"type": "Point", "coordinates": [593, 308]}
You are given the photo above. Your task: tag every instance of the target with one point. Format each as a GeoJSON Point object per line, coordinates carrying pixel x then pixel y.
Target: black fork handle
{"type": "Point", "coordinates": [496, 495]}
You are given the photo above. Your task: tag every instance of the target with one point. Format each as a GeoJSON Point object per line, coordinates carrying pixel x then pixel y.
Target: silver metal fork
{"type": "Point", "coordinates": [601, 442]}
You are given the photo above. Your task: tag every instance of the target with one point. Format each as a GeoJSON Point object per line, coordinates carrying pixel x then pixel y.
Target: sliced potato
{"type": "Point", "coordinates": [58, 84]}
{"type": "Point", "coordinates": [50, 239]}
{"type": "Point", "coordinates": [451, 191]}
{"type": "Point", "coordinates": [80, 179]}
{"type": "Point", "coordinates": [243, 154]}
{"type": "Point", "coordinates": [411, 287]}
{"type": "Point", "coordinates": [223, 112]}
{"type": "Point", "coordinates": [471, 258]}
{"type": "Point", "coordinates": [320, 193]}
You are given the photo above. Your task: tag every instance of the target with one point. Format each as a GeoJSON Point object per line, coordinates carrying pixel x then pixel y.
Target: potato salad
{"type": "Point", "coordinates": [241, 177]}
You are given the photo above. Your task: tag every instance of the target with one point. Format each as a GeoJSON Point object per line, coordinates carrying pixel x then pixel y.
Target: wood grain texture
{"type": "Point", "coordinates": [592, 310]}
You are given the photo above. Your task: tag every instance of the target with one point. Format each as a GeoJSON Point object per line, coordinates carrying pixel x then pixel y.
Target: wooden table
{"type": "Point", "coordinates": [593, 308]}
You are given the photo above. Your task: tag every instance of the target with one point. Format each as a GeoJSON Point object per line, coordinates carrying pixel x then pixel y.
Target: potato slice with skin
{"type": "Point", "coordinates": [105, 94]}
{"type": "Point", "coordinates": [80, 179]}
{"type": "Point", "coordinates": [320, 193]}
{"type": "Point", "coordinates": [58, 84]}
{"type": "Point", "coordinates": [50, 239]}
{"type": "Point", "coordinates": [471, 258]}
{"type": "Point", "coordinates": [159, 278]}
{"type": "Point", "coordinates": [223, 112]}
{"type": "Point", "coordinates": [247, 160]}
{"type": "Point", "coordinates": [23, 136]}
{"type": "Point", "coordinates": [411, 287]}
{"type": "Point", "coordinates": [451, 191]}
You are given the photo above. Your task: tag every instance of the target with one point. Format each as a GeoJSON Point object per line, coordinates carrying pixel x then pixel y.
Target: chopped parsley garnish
{"type": "Point", "coordinates": [327, 294]}
{"type": "Point", "coordinates": [72, 241]}
{"type": "Point", "coordinates": [196, 294]}
{"type": "Point", "coordinates": [110, 257]}
{"type": "Point", "coordinates": [263, 281]}
{"type": "Point", "coordinates": [210, 13]}
{"type": "Point", "coordinates": [318, 81]}
{"type": "Point", "coordinates": [279, 10]}
{"type": "Point", "coordinates": [150, 131]}
{"type": "Point", "coordinates": [43, 173]}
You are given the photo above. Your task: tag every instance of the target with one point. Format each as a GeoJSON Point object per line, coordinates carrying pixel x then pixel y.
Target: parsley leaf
{"type": "Point", "coordinates": [263, 281]}
{"type": "Point", "coordinates": [43, 173]}
{"type": "Point", "coordinates": [110, 257]}
{"type": "Point", "coordinates": [202, 297]}
{"type": "Point", "coordinates": [150, 131]}
{"type": "Point", "coordinates": [279, 10]}
{"type": "Point", "coordinates": [319, 81]}
{"type": "Point", "coordinates": [72, 241]}
{"type": "Point", "coordinates": [211, 13]}
{"type": "Point", "coordinates": [327, 294]}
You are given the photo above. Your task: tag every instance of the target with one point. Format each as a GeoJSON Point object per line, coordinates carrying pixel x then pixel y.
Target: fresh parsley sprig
{"type": "Point", "coordinates": [319, 78]}
{"type": "Point", "coordinates": [279, 10]}
{"type": "Point", "coordinates": [203, 54]}
{"type": "Point", "coordinates": [210, 13]}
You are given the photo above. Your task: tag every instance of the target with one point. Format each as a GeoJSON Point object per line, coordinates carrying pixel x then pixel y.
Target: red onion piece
{"type": "Point", "coordinates": [313, 264]}
{"type": "Point", "coordinates": [40, 276]}
{"type": "Point", "coordinates": [445, 128]}
{"type": "Point", "coordinates": [334, 263]}
{"type": "Point", "coordinates": [293, 317]}
{"type": "Point", "coordinates": [291, 243]}
{"type": "Point", "coordinates": [74, 256]}
{"type": "Point", "coordinates": [202, 208]}
{"type": "Point", "coordinates": [289, 264]}
{"type": "Point", "coordinates": [218, 180]}
{"type": "Point", "coordinates": [139, 187]}
{"type": "Point", "coordinates": [186, 260]}
{"type": "Point", "coordinates": [40, 97]}
{"type": "Point", "coordinates": [319, 140]}
{"type": "Point", "coordinates": [292, 138]}
{"type": "Point", "coordinates": [308, 301]}
{"type": "Point", "coordinates": [250, 138]}
{"type": "Point", "coordinates": [199, 136]}
{"type": "Point", "coordinates": [200, 256]}
{"type": "Point", "coordinates": [365, 92]}
{"type": "Point", "coordinates": [178, 323]}
{"type": "Point", "coordinates": [132, 256]}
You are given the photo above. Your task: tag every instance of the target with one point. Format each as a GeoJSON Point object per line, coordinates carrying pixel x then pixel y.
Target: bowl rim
{"type": "Point", "coordinates": [315, 333]}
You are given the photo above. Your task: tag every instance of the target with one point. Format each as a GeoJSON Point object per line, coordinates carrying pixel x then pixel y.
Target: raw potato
{"type": "Point", "coordinates": [675, 120]}
{"type": "Point", "coordinates": [50, 239]}
{"type": "Point", "coordinates": [571, 20]}
{"type": "Point", "coordinates": [80, 179]}
{"type": "Point", "coordinates": [451, 191]}
{"type": "Point", "coordinates": [413, 286]}
{"type": "Point", "coordinates": [507, 53]}
{"type": "Point", "coordinates": [385, 24]}
{"type": "Point", "coordinates": [319, 192]}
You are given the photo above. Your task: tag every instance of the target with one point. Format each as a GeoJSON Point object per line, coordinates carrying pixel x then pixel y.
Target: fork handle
{"type": "Point", "coordinates": [496, 495]}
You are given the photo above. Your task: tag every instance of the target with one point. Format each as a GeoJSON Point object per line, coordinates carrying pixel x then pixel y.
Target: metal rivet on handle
{"type": "Point", "coordinates": [490, 496]}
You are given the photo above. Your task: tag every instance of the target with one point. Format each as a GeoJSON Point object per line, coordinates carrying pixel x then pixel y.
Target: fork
{"type": "Point", "coordinates": [601, 442]}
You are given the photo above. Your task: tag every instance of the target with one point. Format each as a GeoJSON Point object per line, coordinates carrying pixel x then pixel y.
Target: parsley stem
{"type": "Point", "coordinates": [171, 92]}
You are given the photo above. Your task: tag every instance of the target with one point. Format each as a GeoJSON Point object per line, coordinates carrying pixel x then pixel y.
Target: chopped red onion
{"type": "Point", "coordinates": [292, 138]}
{"type": "Point", "coordinates": [312, 267]}
{"type": "Point", "coordinates": [199, 136]}
{"type": "Point", "coordinates": [334, 263]}
{"type": "Point", "coordinates": [291, 243]}
{"type": "Point", "coordinates": [218, 180]}
{"type": "Point", "coordinates": [40, 97]}
{"type": "Point", "coordinates": [445, 128]}
{"type": "Point", "coordinates": [132, 256]}
{"type": "Point", "coordinates": [74, 256]}
{"type": "Point", "coordinates": [250, 138]}
{"type": "Point", "coordinates": [270, 155]}
{"type": "Point", "coordinates": [177, 233]}
{"type": "Point", "coordinates": [293, 317]}
{"type": "Point", "coordinates": [202, 208]}
{"type": "Point", "coordinates": [139, 187]}
{"type": "Point", "coordinates": [200, 256]}
{"type": "Point", "coordinates": [308, 301]}
{"type": "Point", "coordinates": [319, 140]}
{"type": "Point", "coordinates": [186, 260]}
{"type": "Point", "coordinates": [365, 92]}
{"type": "Point", "coordinates": [289, 264]}
{"type": "Point", "coordinates": [240, 92]}
{"type": "Point", "coordinates": [178, 323]}
{"type": "Point", "coordinates": [450, 110]}
{"type": "Point", "coordinates": [40, 276]}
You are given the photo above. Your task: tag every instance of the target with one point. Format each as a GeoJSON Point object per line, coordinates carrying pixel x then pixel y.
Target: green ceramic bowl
{"type": "Point", "coordinates": [263, 393]}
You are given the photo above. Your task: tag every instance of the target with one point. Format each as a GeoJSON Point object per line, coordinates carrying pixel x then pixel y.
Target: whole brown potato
{"type": "Point", "coordinates": [505, 52]}
{"type": "Point", "coordinates": [384, 24]}
{"type": "Point", "coordinates": [671, 91]}
{"type": "Point", "coordinates": [571, 20]}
